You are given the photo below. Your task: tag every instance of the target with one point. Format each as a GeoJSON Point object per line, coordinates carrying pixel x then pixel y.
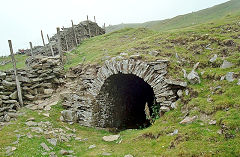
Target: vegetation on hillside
{"type": "Point", "coordinates": [211, 100]}
{"type": "Point", "coordinates": [207, 15]}
{"type": "Point", "coordinates": [20, 62]}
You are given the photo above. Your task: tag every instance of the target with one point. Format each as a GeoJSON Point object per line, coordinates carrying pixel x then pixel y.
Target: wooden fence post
{"type": "Point", "coordinates": [50, 45]}
{"type": "Point", "coordinates": [19, 91]}
{"type": "Point", "coordinates": [30, 43]}
{"type": "Point", "coordinates": [89, 31]}
{"type": "Point", "coordinates": [59, 45]}
{"type": "Point", "coordinates": [65, 37]}
{"type": "Point", "coordinates": [42, 38]}
{"type": "Point", "coordinates": [74, 34]}
{"type": "Point", "coordinates": [96, 26]}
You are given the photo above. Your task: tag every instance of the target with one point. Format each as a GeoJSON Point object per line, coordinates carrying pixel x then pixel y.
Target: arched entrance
{"type": "Point", "coordinates": [122, 102]}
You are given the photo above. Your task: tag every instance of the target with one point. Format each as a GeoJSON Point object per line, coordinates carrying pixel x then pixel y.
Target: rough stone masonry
{"type": "Point", "coordinates": [93, 104]}
{"type": "Point", "coordinates": [38, 81]}
{"type": "Point", "coordinates": [83, 30]}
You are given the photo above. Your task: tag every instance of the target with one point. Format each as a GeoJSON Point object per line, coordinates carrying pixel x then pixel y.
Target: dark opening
{"type": "Point", "coordinates": [122, 100]}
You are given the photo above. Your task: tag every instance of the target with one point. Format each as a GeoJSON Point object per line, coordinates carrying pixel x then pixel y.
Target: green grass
{"type": "Point", "coordinates": [207, 15]}
{"type": "Point", "coordinates": [197, 139]}
{"type": "Point", "coordinates": [204, 99]}
{"type": "Point", "coordinates": [20, 62]}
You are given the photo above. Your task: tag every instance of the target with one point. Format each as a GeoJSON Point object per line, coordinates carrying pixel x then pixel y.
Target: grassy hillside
{"type": "Point", "coordinates": [195, 18]}
{"type": "Point", "coordinates": [20, 62]}
{"type": "Point", "coordinates": [212, 99]}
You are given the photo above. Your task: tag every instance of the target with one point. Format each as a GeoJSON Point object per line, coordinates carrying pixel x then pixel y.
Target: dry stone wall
{"type": "Point", "coordinates": [39, 81]}
{"type": "Point", "coordinates": [82, 31]}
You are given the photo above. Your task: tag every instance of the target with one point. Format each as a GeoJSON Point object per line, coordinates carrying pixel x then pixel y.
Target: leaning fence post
{"type": "Point", "coordinates": [59, 45]}
{"type": "Point", "coordinates": [96, 26]}
{"type": "Point", "coordinates": [19, 91]}
{"type": "Point", "coordinates": [89, 31]}
{"type": "Point", "coordinates": [65, 37]}
{"type": "Point", "coordinates": [74, 34]}
{"type": "Point", "coordinates": [50, 45]}
{"type": "Point", "coordinates": [30, 43]}
{"type": "Point", "coordinates": [42, 38]}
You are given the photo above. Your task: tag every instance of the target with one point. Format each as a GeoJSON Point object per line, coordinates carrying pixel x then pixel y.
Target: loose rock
{"type": "Point", "coordinates": [229, 76]}
{"type": "Point", "coordinates": [128, 155]}
{"type": "Point", "coordinates": [188, 120]}
{"type": "Point", "coordinates": [45, 147]}
{"type": "Point", "coordinates": [193, 77]}
{"type": "Point", "coordinates": [92, 146]}
{"type": "Point", "coordinates": [64, 152]}
{"type": "Point", "coordinates": [226, 64]}
{"type": "Point", "coordinates": [110, 138]}
{"type": "Point", "coordinates": [52, 141]}
{"type": "Point", "coordinates": [212, 122]}
{"type": "Point", "coordinates": [214, 58]}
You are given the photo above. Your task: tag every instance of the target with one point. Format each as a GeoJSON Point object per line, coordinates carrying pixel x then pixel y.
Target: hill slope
{"type": "Point", "coordinates": [215, 101]}
{"type": "Point", "coordinates": [202, 16]}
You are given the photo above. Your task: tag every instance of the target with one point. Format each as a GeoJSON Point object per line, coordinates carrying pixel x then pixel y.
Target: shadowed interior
{"type": "Point", "coordinates": [122, 102]}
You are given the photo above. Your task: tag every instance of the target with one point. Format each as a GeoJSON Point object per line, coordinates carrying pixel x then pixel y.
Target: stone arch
{"type": "Point", "coordinates": [152, 73]}
{"type": "Point", "coordinates": [85, 108]}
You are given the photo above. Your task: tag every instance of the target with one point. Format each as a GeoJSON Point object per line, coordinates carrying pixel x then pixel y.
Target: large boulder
{"type": "Point", "coordinates": [226, 64]}
{"type": "Point", "coordinates": [229, 76]}
{"type": "Point", "coordinates": [193, 77]}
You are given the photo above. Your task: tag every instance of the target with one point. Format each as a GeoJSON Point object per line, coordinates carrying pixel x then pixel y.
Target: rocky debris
{"type": "Point", "coordinates": [111, 138]}
{"type": "Point", "coordinates": [136, 57]}
{"type": "Point", "coordinates": [154, 53]}
{"type": "Point", "coordinates": [64, 152]}
{"type": "Point", "coordinates": [10, 150]}
{"type": "Point", "coordinates": [229, 76]}
{"type": "Point", "coordinates": [226, 64]}
{"type": "Point", "coordinates": [30, 119]}
{"type": "Point", "coordinates": [175, 132]}
{"type": "Point", "coordinates": [184, 73]}
{"type": "Point", "coordinates": [188, 120]}
{"type": "Point", "coordinates": [106, 154]}
{"type": "Point", "coordinates": [52, 141]}
{"type": "Point", "coordinates": [238, 82]}
{"type": "Point", "coordinates": [92, 146]}
{"type": "Point", "coordinates": [29, 135]}
{"type": "Point", "coordinates": [180, 93]}
{"type": "Point", "coordinates": [193, 77]}
{"type": "Point", "coordinates": [45, 147]}
{"type": "Point", "coordinates": [46, 114]}
{"type": "Point", "coordinates": [128, 155]}
{"type": "Point", "coordinates": [52, 154]}
{"type": "Point", "coordinates": [38, 82]}
{"type": "Point", "coordinates": [213, 59]}
{"type": "Point", "coordinates": [212, 122]}
{"type": "Point", "coordinates": [31, 123]}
